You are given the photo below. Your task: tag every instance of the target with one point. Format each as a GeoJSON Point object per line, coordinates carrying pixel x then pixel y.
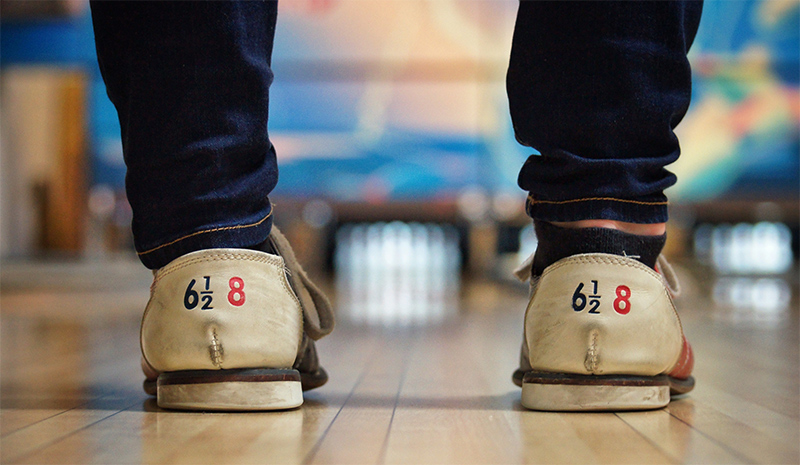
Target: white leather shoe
{"type": "Point", "coordinates": [233, 329]}
{"type": "Point", "coordinates": [602, 333]}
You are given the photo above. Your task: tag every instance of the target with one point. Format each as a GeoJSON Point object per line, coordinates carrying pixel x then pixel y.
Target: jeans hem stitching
{"type": "Point", "coordinates": [226, 228]}
{"type": "Point", "coordinates": [561, 202]}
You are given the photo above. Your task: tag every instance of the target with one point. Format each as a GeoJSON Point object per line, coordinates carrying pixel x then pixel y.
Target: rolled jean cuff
{"type": "Point", "coordinates": [606, 208]}
{"type": "Point", "coordinates": [223, 236]}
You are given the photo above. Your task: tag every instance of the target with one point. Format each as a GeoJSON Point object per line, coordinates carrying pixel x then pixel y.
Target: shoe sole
{"type": "Point", "coordinates": [230, 390]}
{"type": "Point", "coordinates": [574, 393]}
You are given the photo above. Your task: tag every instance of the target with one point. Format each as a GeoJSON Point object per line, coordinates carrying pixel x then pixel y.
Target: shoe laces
{"type": "Point", "coordinates": [670, 278]}
{"type": "Point", "coordinates": [318, 319]}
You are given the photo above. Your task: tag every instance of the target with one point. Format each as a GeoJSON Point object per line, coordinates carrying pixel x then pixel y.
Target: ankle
{"type": "Point", "coordinates": [655, 229]}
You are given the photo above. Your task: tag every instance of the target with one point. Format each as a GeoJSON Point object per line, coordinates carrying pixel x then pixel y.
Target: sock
{"type": "Point", "coordinates": [556, 243]}
{"type": "Point", "coordinates": [265, 246]}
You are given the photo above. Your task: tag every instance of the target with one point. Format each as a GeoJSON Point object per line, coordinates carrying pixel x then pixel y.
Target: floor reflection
{"type": "Point", "coordinates": [752, 264]}
{"type": "Point", "coordinates": [599, 437]}
{"type": "Point", "coordinates": [755, 249]}
{"type": "Point", "coordinates": [186, 437]}
{"type": "Point", "coordinates": [759, 300]}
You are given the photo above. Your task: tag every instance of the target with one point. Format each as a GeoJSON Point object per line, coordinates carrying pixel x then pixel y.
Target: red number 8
{"type": "Point", "coordinates": [622, 304]}
{"type": "Point", "coordinates": [236, 295]}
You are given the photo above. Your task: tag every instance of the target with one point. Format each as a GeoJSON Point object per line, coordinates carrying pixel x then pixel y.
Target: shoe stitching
{"type": "Point", "coordinates": [265, 258]}
{"type": "Point", "coordinates": [680, 323]}
{"type": "Point", "coordinates": [288, 288]}
{"type": "Point", "coordinates": [602, 259]}
{"type": "Point", "coordinates": [225, 228]}
{"type": "Point", "coordinates": [218, 257]}
{"type": "Point", "coordinates": [215, 349]}
{"type": "Point", "coordinates": [591, 362]}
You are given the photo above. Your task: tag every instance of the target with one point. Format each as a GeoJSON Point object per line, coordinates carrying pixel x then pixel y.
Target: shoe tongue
{"type": "Point", "coordinates": [318, 316]}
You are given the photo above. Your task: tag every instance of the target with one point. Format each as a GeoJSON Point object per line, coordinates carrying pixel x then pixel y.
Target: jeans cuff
{"type": "Point", "coordinates": [231, 236]}
{"type": "Point", "coordinates": [595, 208]}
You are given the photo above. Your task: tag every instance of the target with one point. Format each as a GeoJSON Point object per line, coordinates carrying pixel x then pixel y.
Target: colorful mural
{"type": "Point", "coordinates": [405, 99]}
{"type": "Point", "coordinates": [393, 100]}
{"type": "Point", "coordinates": [740, 138]}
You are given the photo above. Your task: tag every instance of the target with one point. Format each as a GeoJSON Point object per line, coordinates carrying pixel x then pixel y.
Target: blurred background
{"type": "Point", "coordinates": [397, 157]}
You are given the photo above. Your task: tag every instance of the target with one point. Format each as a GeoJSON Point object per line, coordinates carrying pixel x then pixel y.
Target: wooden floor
{"type": "Point", "coordinates": [430, 394]}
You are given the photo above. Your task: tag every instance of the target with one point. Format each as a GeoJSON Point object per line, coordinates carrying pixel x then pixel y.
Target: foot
{"type": "Point", "coordinates": [601, 330]}
{"type": "Point", "coordinates": [233, 329]}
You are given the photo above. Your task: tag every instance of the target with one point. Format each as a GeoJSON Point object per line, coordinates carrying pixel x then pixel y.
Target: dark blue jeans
{"type": "Point", "coordinates": [596, 87]}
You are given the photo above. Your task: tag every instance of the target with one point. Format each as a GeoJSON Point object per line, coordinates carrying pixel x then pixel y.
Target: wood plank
{"type": "Point", "coordinates": [781, 427]}
{"type": "Point", "coordinates": [21, 413]}
{"type": "Point", "coordinates": [146, 434]}
{"type": "Point", "coordinates": [446, 413]}
{"type": "Point", "coordinates": [548, 438]}
{"type": "Point", "coordinates": [441, 394]}
{"type": "Point", "coordinates": [761, 370]}
{"type": "Point", "coordinates": [737, 436]}
{"type": "Point", "coordinates": [612, 441]}
{"type": "Point", "coordinates": [456, 411]}
{"type": "Point", "coordinates": [23, 442]}
{"type": "Point", "coordinates": [359, 431]}
{"type": "Point", "coordinates": [676, 439]}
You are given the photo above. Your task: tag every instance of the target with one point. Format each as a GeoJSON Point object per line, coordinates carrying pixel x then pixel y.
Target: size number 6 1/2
{"type": "Point", "coordinates": [580, 300]}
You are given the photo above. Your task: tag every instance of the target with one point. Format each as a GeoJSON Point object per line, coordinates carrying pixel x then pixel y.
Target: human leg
{"type": "Point", "coordinates": [226, 328]}
{"type": "Point", "coordinates": [597, 88]}
{"type": "Point", "coordinates": [190, 81]}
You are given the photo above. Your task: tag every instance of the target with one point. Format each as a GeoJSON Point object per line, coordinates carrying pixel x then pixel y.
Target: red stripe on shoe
{"type": "Point", "coordinates": [683, 368]}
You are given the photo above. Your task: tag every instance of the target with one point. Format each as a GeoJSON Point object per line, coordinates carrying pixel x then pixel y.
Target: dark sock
{"type": "Point", "coordinates": [265, 246]}
{"type": "Point", "coordinates": [556, 243]}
